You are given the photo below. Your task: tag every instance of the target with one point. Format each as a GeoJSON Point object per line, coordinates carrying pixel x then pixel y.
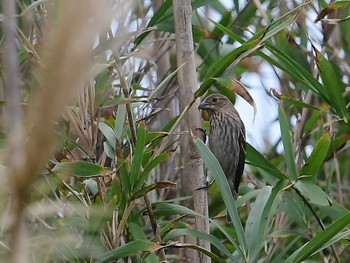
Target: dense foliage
{"type": "Point", "coordinates": [109, 191]}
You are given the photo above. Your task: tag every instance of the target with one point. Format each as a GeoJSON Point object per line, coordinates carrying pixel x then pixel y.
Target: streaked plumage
{"type": "Point", "coordinates": [226, 138]}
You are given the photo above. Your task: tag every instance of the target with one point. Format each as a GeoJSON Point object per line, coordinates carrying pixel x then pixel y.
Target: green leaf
{"type": "Point", "coordinates": [162, 12]}
{"type": "Point", "coordinates": [259, 218]}
{"type": "Point", "coordinates": [119, 121]}
{"type": "Point", "coordinates": [174, 234]}
{"type": "Point", "coordinates": [80, 169]}
{"type": "Point", "coordinates": [218, 68]}
{"type": "Point", "coordinates": [318, 155]}
{"type": "Point", "coordinates": [130, 249]}
{"type": "Point", "coordinates": [166, 209]}
{"type": "Point", "coordinates": [108, 132]}
{"type": "Point", "coordinates": [298, 103]}
{"type": "Point", "coordinates": [92, 186]}
{"type": "Point", "coordinates": [214, 166]}
{"type": "Point", "coordinates": [313, 192]}
{"type": "Point", "coordinates": [150, 166]}
{"type": "Point", "coordinates": [319, 240]}
{"type": "Point", "coordinates": [257, 159]}
{"type": "Point", "coordinates": [291, 67]}
{"type": "Point", "coordinates": [333, 85]}
{"type": "Point", "coordinates": [138, 154]}
{"type": "Point", "coordinates": [287, 144]}
{"type": "Point", "coordinates": [2, 139]}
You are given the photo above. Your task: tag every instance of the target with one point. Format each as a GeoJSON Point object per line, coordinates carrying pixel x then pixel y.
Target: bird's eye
{"type": "Point", "coordinates": [215, 99]}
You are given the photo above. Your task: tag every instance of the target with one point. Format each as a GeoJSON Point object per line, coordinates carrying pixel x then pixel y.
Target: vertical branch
{"type": "Point", "coordinates": [13, 110]}
{"type": "Point", "coordinates": [13, 122]}
{"type": "Point", "coordinates": [193, 173]}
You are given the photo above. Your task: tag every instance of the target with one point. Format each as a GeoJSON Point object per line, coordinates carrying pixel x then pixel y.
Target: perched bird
{"type": "Point", "coordinates": [226, 138]}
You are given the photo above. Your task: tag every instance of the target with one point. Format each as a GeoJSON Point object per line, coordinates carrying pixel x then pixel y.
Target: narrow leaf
{"type": "Point", "coordinates": [257, 159]}
{"type": "Point", "coordinates": [317, 156]}
{"type": "Point", "coordinates": [333, 85]}
{"type": "Point", "coordinates": [213, 165]}
{"type": "Point", "coordinates": [80, 169]}
{"type": "Point", "coordinates": [138, 153]}
{"type": "Point", "coordinates": [287, 144]}
{"type": "Point", "coordinates": [108, 132]}
{"type": "Point", "coordinates": [174, 234]}
{"type": "Point", "coordinates": [319, 240]}
{"type": "Point", "coordinates": [313, 192]}
{"type": "Point", "coordinates": [129, 249]}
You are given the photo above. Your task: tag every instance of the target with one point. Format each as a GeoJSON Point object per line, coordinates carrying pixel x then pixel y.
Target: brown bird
{"type": "Point", "coordinates": [226, 138]}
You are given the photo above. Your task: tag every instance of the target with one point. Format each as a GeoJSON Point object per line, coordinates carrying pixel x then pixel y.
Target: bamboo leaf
{"type": "Point", "coordinates": [319, 240]}
{"type": "Point", "coordinates": [333, 86]}
{"type": "Point", "coordinates": [287, 144]}
{"type": "Point", "coordinates": [259, 218]}
{"type": "Point", "coordinates": [138, 154]}
{"type": "Point", "coordinates": [132, 248]}
{"type": "Point", "coordinates": [108, 132]}
{"type": "Point", "coordinates": [80, 169]}
{"type": "Point", "coordinates": [317, 157]}
{"type": "Point", "coordinates": [257, 159]}
{"type": "Point", "coordinates": [213, 165]}
{"type": "Point", "coordinates": [174, 234]}
{"type": "Point", "coordinates": [312, 192]}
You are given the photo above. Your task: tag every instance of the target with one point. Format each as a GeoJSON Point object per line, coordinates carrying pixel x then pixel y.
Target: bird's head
{"type": "Point", "coordinates": [215, 103]}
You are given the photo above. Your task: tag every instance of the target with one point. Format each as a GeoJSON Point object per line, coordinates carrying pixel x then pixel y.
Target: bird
{"type": "Point", "coordinates": [226, 138]}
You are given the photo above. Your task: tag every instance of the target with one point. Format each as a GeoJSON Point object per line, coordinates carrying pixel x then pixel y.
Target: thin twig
{"type": "Point", "coordinates": [171, 132]}
{"type": "Point", "coordinates": [153, 220]}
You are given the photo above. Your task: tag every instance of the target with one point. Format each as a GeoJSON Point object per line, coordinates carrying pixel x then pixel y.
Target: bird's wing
{"type": "Point", "coordinates": [241, 159]}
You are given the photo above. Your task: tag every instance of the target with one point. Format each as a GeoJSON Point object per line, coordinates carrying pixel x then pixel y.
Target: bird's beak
{"type": "Point", "coordinates": [204, 106]}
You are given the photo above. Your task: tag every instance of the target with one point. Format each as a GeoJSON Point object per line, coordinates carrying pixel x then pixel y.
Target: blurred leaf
{"type": "Point", "coordinates": [312, 192]}
{"type": "Point", "coordinates": [80, 169]}
{"type": "Point", "coordinates": [334, 88]}
{"type": "Point", "coordinates": [92, 186]}
{"type": "Point", "coordinates": [2, 139]}
{"type": "Point", "coordinates": [214, 257]}
{"type": "Point", "coordinates": [199, 33]}
{"type": "Point", "coordinates": [32, 6]}
{"type": "Point", "coordinates": [319, 240]}
{"type": "Point", "coordinates": [167, 209]}
{"type": "Point", "coordinates": [119, 121]}
{"type": "Point", "coordinates": [132, 248]}
{"type": "Point", "coordinates": [138, 154]}
{"type": "Point", "coordinates": [334, 211]}
{"type": "Point", "coordinates": [317, 157]}
{"type": "Point", "coordinates": [174, 234]}
{"type": "Point", "coordinates": [108, 132]}
{"type": "Point", "coordinates": [331, 8]}
{"type": "Point", "coordinates": [337, 144]}
{"type": "Point", "coordinates": [293, 69]}
{"type": "Point", "coordinates": [157, 185]}
{"type": "Point", "coordinates": [166, 12]}
{"type": "Point", "coordinates": [287, 144]}
{"type": "Point", "coordinates": [338, 237]}
{"type": "Point", "coordinates": [158, 16]}
{"type": "Point", "coordinates": [213, 165]}
{"type": "Point", "coordinates": [138, 234]}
